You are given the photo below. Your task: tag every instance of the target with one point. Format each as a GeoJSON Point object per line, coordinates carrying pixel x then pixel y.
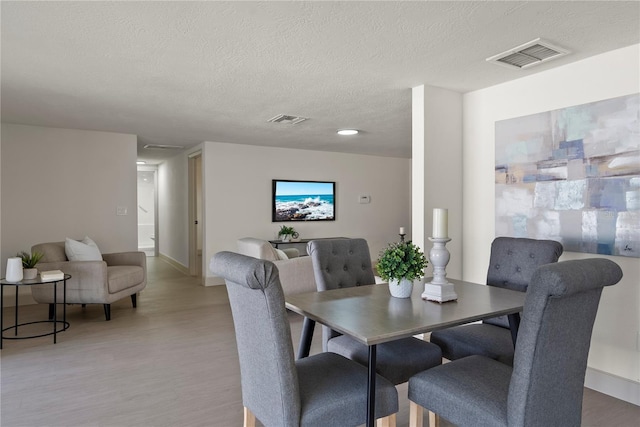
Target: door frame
{"type": "Point", "coordinates": [156, 226]}
{"type": "Point", "coordinates": [194, 195]}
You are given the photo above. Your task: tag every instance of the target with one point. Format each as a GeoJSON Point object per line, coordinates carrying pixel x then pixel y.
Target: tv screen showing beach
{"type": "Point", "coordinates": [303, 201]}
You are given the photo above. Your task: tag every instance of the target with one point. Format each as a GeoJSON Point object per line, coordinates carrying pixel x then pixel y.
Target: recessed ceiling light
{"type": "Point", "coordinates": [347, 132]}
{"type": "Point", "coordinates": [140, 162]}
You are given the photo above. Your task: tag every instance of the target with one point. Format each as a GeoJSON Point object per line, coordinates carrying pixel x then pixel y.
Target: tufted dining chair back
{"type": "Point", "coordinates": [513, 262]}
{"type": "Point", "coordinates": [340, 263]}
{"type": "Point", "coordinates": [514, 259]}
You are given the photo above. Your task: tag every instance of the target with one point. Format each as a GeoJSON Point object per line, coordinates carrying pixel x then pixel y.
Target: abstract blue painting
{"type": "Point", "coordinates": [572, 175]}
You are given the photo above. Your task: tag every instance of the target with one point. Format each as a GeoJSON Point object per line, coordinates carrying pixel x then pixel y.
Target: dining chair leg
{"type": "Point", "coordinates": [249, 418]}
{"type": "Point", "coordinates": [389, 421]}
{"type": "Point", "coordinates": [416, 413]}
{"type": "Point", "coordinates": [434, 419]}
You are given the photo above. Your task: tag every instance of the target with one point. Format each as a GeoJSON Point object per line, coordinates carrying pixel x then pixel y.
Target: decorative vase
{"type": "Point", "coordinates": [286, 238]}
{"type": "Point", "coordinates": [30, 273]}
{"type": "Point", "coordinates": [402, 289]}
{"type": "Point", "coordinates": [14, 269]}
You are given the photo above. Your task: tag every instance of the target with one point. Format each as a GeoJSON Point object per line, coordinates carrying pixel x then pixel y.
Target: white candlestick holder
{"type": "Point", "coordinates": [439, 289]}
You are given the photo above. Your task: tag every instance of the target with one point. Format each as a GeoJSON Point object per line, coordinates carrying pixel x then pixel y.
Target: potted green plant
{"type": "Point", "coordinates": [29, 262]}
{"type": "Point", "coordinates": [400, 263]}
{"type": "Point", "coordinates": [287, 233]}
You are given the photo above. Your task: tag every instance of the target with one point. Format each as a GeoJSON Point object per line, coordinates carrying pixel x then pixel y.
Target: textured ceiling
{"type": "Point", "coordinates": [186, 72]}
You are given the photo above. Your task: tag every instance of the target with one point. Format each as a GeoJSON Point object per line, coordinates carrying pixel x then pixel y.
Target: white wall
{"type": "Point", "coordinates": [238, 194]}
{"type": "Point", "coordinates": [614, 344]}
{"type": "Point", "coordinates": [59, 183]}
{"type": "Point", "coordinates": [437, 168]}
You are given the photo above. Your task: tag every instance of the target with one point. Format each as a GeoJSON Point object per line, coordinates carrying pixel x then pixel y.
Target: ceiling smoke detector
{"type": "Point", "coordinates": [529, 54]}
{"type": "Point", "coordinates": [284, 118]}
{"type": "Point", "coordinates": [163, 147]}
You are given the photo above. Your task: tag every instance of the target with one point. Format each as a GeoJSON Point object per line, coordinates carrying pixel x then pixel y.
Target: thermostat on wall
{"type": "Point", "coordinates": [364, 199]}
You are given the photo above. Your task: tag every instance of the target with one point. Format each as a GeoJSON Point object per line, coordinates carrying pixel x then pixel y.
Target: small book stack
{"type": "Point", "coordinates": [51, 275]}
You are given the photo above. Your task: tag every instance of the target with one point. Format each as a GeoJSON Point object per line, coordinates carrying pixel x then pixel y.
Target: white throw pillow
{"type": "Point", "coordinates": [281, 254]}
{"type": "Point", "coordinates": [86, 250]}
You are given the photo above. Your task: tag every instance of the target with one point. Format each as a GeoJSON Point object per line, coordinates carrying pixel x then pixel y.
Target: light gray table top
{"type": "Point", "coordinates": [372, 316]}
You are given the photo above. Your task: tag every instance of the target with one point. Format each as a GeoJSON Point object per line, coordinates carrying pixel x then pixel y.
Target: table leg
{"type": "Point", "coordinates": [64, 304]}
{"type": "Point", "coordinates": [371, 387]}
{"type": "Point", "coordinates": [55, 305]}
{"type": "Point", "coordinates": [514, 325]}
{"type": "Point", "coordinates": [16, 313]}
{"type": "Point", "coordinates": [305, 339]}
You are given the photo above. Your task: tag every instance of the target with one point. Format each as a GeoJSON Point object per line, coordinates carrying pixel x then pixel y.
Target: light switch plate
{"type": "Point", "coordinates": [364, 199]}
{"type": "Point", "coordinates": [121, 210]}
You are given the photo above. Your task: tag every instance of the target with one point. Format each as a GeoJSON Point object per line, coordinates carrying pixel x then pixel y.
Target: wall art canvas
{"type": "Point", "coordinates": [572, 175]}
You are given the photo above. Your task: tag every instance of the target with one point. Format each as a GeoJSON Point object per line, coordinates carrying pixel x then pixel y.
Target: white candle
{"type": "Point", "coordinates": [440, 223]}
{"type": "Point", "coordinates": [401, 230]}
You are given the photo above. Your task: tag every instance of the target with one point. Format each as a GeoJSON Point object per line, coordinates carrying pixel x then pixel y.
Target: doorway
{"type": "Point", "coordinates": [195, 215]}
{"type": "Point", "coordinates": [147, 210]}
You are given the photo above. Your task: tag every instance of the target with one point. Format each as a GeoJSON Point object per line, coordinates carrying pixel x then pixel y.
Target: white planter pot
{"type": "Point", "coordinates": [14, 269]}
{"type": "Point", "coordinates": [402, 289]}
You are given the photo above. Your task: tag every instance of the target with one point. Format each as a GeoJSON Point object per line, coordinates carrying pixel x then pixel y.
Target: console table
{"type": "Point", "coordinates": [276, 243]}
{"type": "Point", "coordinates": [53, 320]}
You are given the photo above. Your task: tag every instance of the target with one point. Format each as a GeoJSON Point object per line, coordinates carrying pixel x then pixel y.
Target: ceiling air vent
{"type": "Point", "coordinates": [529, 54]}
{"type": "Point", "coordinates": [284, 118]}
{"type": "Point", "coordinates": [163, 147]}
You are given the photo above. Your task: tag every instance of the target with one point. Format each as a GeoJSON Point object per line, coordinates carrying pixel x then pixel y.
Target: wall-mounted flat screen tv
{"type": "Point", "coordinates": [303, 200]}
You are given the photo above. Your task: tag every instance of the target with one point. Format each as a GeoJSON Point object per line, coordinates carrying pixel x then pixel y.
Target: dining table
{"type": "Point", "coordinates": [372, 316]}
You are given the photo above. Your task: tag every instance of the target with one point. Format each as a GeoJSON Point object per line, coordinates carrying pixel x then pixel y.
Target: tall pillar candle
{"type": "Point", "coordinates": [440, 223]}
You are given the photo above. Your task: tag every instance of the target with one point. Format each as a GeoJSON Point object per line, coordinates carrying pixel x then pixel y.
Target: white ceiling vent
{"type": "Point", "coordinates": [284, 118]}
{"type": "Point", "coordinates": [529, 54]}
{"type": "Point", "coordinates": [163, 147]}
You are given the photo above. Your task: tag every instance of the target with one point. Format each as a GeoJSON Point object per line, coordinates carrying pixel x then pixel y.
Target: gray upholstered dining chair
{"type": "Point", "coordinates": [545, 385]}
{"type": "Point", "coordinates": [319, 390]}
{"type": "Point", "coordinates": [341, 263]}
{"type": "Point", "coordinates": [512, 263]}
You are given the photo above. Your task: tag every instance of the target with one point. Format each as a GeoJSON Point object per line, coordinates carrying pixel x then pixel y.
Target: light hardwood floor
{"type": "Point", "coordinates": [170, 362]}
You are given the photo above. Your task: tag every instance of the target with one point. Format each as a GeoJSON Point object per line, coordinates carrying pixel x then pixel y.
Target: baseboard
{"type": "Point", "coordinates": [213, 281]}
{"type": "Point", "coordinates": [613, 385]}
{"type": "Point", "coordinates": [175, 264]}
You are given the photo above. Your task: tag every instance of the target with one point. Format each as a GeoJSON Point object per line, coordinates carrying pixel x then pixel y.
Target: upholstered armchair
{"type": "Point", "coordinates": [296, 272]}
{"type": "Point", "coordinates": [117, 276]}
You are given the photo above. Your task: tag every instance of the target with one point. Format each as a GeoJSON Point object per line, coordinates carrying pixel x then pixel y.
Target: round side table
{"type": "Point", "coordinates": [53, 318]}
